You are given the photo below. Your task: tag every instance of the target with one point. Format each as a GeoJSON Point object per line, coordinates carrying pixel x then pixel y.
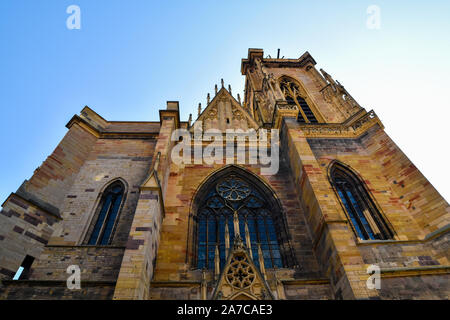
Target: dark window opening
{"type": "Point", "coordinates": [291, 93]}
{"type": "Point", "coordinates": [364, 216]}
{"type": "Point", "coordinates": [108, 211]}
{"type": "Point", "coordinates": [24, 270]}
{"type": "Point", "coordinates": [307, 110]}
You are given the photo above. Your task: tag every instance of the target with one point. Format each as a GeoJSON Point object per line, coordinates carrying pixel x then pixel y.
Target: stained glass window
{"type": "Point", "coordinates": [107, 214]}
{"type": "Point", "coordinates": [361, 210]}
{"type": "Point", "coordinates": [258, 225]}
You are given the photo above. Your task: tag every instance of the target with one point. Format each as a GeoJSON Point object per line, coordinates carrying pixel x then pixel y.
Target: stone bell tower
{"type": "Point", "coordinates": [361, 195]}
{"type": "Point", "coordinates": [279, 82]}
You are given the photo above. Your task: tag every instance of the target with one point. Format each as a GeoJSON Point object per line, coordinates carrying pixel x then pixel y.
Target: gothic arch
{"type": "Point", "coordinates": [95, 212]}
{"type": "Point", "coordinates": [304, 95]}
{"type": "Point", "coordinates": [260, 187]}
{"type": "Point", "coordinates": [360, 207]}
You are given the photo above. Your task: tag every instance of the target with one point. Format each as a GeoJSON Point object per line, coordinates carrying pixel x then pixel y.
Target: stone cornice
{"type": "Point", "coordinates": [35, 202]}
{"type": "Point", "coordinates": [428, 237]}
{"type": "Point", "coordinates": [182, 283]}
{"type": "Point", "coordinates": [353, 127]}
{"type": "Point", "coordinates": [414, 271]}
{"type": "Point", "coordinates": [305, 281]}
{"type": "Point", "coordinates": [84, 246]}
{"type": "Point", "coordinates": [57, 283]}
{"type": "Point", "coordinates": [253, 54]}
{"type": "Point", "coordinates": [101, 133]}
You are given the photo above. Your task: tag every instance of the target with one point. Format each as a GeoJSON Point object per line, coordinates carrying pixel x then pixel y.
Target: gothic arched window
{"type": "Point", "coordinates": [292, 95]}
{"type": "Point", "coordinates": [364, 215]}
{"type": "Point", "coordinates": [107, 213]}
{"type": "Point", "coordinates": [231, 204]}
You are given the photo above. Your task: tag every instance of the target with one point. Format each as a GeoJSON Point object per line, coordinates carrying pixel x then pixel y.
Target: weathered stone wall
{"type": "Point", "coordinates": [428, 208]}
{"type": "Point", "coordinates": [110, 159]}
{"type": "Point", "coordinates": [30, 216]}
{"type": "Point", "coordinates": [53, 179]}
{"type": "Point", "coordinates": [332, 238]}
{"type": "Point", "coordinates": [390, 254]}
{"type": "Point", "coordinates": [416, 287]}
{"type": "Point", "coordinates": [175, 260]}
{"type": "Point", "coordinates": [139, 259]}
{"type": "Point", "coordinates": [162, 292]}
{"type": "Point", "coordinates": [308, 291]}
{"type": "Point", "coordinates": [412, 247]}
{"type": "Point", "coordinates": [24, 230]}
{"type": "Point", "coordinates": [355, 154]}
{"type": "Point", "coordinates": [56, 290]}
{"type": "Point", "coordinates": [172, 260]}
{"type": "Point", "coordinates": [96, 263]}
{"type": "Point", "coordinates": [99, 267]}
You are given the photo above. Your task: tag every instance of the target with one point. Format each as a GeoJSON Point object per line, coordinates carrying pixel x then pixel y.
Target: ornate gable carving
{"type": "Point", "coordinates": [224, 112]}
{"type": "Point", "coordinates": [240, 278]}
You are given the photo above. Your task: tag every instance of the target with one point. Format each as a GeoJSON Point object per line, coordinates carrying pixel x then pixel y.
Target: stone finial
{"type": "Point", "coordinates": [208, 99]}
{"type": "Point", "coordinates": [221, 80]}
{"type": "Point", "coordinates": [229, 89]}
{"type": "Point", "coordinates": [239, 98]}
{"type": "Point", "coordinates": [190, 119]}
{"type": "Point", "coordinates": [217, 263]}
{"type": "Point", "coordinates": [199, 109]}
{"type": "Point", "coordinates": [327, 77]}
{"type": "Point", "coordinates": [215, 88]}
{"type": "Point", "coordinates": [204, 285]}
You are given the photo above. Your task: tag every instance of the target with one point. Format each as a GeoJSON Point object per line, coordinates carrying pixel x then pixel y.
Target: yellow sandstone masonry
{"type": "Point", "coordinates": [345, 200]}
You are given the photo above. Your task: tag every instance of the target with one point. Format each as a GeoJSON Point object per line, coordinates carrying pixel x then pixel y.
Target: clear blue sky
{"type": "Point", "coordinates": [130, 57]}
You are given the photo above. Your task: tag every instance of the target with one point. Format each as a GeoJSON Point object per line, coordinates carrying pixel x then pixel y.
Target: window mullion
{"type": "Point", "coordinates": [105, 219]}
{"type": "Point", "coordinates": [354, 211]}
{"type": "Point", "coordinates": [268, 242]}
{"type": "Point", "coordinates": [378, 221]}
{"type": "Point", "coordinates": [301, 110]}
{"type": "Point", "coordinates": [207, 243]}
{"type": "Point", "coordinates": [367, 214]}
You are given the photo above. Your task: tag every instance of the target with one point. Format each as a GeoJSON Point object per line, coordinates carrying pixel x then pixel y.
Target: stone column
{"type": "Point", "coordinates": [137, 267]}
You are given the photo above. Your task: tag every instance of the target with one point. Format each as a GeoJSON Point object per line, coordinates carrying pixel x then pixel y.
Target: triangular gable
{"type": "Point", "coordinates": [224, 112]}
{"type": "Point", "coordinates": [240, 279]}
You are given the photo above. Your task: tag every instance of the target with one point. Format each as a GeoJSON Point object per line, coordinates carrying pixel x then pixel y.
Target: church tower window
{"type": "Point", "coordinates": [292, 95]}
{"type": "Point", "coordinates": [362, 212]}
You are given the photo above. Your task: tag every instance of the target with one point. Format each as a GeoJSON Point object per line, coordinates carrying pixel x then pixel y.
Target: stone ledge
{"type": "Point", "coordinates": [158, 284]}
{"type": "Point", "coordinates": [427, 238]}
{"type": "Point", "coordinates": [56, 283]}
{"type": "Point", "coordinates": [354, 127]}
{"type": "Point", "coordinates": [414, 271]}
{"type": "Point", "coordinates": [306, 281]}
{"type": "Point", "coordinates": [34, 201]}
{"type": "Point", "coordinates": [84, 246]}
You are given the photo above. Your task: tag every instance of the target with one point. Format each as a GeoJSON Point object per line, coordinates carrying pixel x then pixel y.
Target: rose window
{"type": "Point", "coordinates": [233, 189]}
{"type": "Point", "coordinates": [240, 274]}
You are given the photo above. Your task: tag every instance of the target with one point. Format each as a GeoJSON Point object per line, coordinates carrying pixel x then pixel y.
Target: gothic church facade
{"type": "Point", "coordinates": [111, 203]}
